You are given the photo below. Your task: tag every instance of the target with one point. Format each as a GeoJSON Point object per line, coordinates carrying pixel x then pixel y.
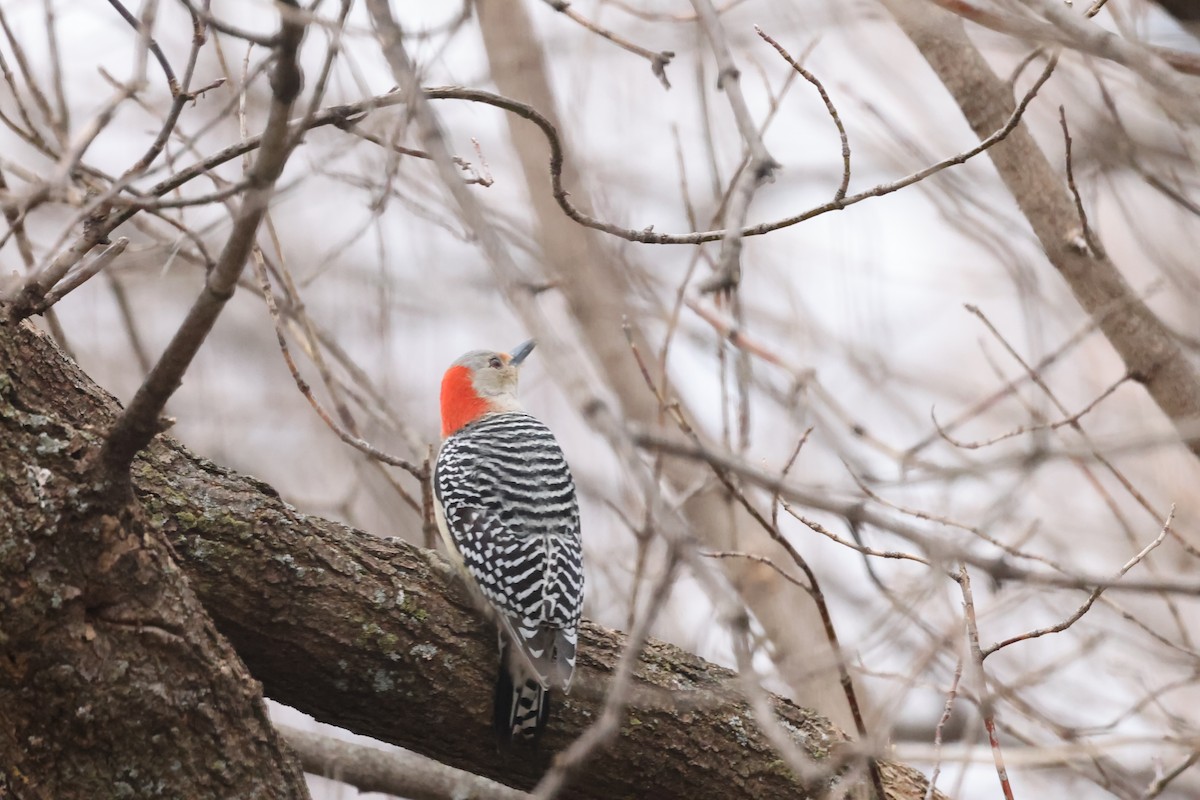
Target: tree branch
{"type": "Point", "coordinates": [405, 774]}
{"type": "Point", "coordinates": [374, 636]}
{"type": "Point", "coordinates": [138, 424]}
{"type": "Point", "coordinates": [1150, 352]}
{"type": "Point", "coordinates": [760, 167]}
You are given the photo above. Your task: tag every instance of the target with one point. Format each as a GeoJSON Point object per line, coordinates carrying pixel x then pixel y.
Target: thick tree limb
{"type": "Point", "coordinates": [363, 633]}
{"type": "Point", "coordinates": [113, 679]}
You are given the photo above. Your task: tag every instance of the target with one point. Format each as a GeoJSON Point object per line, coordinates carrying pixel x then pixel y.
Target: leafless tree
{"type": "Point", "coordinates": [918, 473]}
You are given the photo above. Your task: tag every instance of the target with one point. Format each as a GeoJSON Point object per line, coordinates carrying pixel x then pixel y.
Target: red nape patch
{"type": "Point", "coordinates": [460, 403]}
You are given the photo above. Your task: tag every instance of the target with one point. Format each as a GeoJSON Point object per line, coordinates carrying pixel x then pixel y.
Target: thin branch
{"type": "Point", "coordinates": [181, 95]}
{"type": "Point", "coordinates": [1161, 783]}
{"type": "Point", "coordinates": [1089, 235]}
{"type": "Point", "coordinates": [159, 55]}
{"type": "Point", "coordinates": [760, 169]}
{"type": "Point", "coordinates": [27, 74]}
{"type": "Point", "coordinates": [396, 772]}
{"type": "Point", "coordinates": [1032, 30]}
{"type": "Point", "coordinates": [1092, 598]}
{"type": "Point", "coordinates": [829, 107]}
{"type": "Point", "coordinates": [755, 557]}
{"type": "Point", "coordinates": [62, 120]}
{"type": "Point", "coordinates": [82, 275]}
{"type": "Point", "coordinates": [479, 177]}
{"type": "Point", "coordinates": [816, 527]}
{"type": "Point", "coordinates": [947, 710]}
{"type": "Point", "coordinates": [856, 511]}
{"type": "Point", "coordinates": [658, 61]}
{"type": "Point", "coordinates": [648, 236]}
{"type": "Point", "coordinates": [218, 24]}
{"type": "Point", "coordinates": [357, 442]}
{"type": "Point", "coordinates": [1010, 386]}
{"type": "Point", "coordinates": [986, 704]}
{"type": "Point", "coordinates": [1072, 420]}
{"type": "Point", "coordinates": [139, 423]}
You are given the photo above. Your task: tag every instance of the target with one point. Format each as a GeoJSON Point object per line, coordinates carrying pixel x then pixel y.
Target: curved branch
{"type": "Point", "coordinates": [648, 236]}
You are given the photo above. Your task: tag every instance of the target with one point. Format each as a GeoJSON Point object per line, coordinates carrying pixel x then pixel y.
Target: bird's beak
{"type": "Point", "coordinates": [520, 352]}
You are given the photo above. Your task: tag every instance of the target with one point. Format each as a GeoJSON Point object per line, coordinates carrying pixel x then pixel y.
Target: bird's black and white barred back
{"type": "Point", "coordinates": [509, 508]}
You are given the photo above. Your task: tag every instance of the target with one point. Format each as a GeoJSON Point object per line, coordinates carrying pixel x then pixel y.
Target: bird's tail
{"type": "Point", "coordinates": [522, 703]}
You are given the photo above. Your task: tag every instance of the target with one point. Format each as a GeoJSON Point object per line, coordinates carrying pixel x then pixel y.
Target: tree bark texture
{"type": "Point", "coordinates": [106, 655]}
{"type": "Point", "coordinates": [114, 682]}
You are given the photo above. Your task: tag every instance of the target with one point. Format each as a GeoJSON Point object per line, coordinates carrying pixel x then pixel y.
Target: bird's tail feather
{"type": "Point", "coordinates": [521, 707]}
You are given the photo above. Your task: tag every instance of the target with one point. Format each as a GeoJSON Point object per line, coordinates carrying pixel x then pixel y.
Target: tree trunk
{"type": "Point", "coordinates": [113, 680]}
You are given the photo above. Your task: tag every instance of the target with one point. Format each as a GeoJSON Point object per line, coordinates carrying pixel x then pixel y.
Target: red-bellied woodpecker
{"type": "Point", "coordinates": [506, 508]}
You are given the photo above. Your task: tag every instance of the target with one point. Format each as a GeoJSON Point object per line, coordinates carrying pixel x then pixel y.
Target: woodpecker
{"type": "Point", "coordinates": [506, 508]}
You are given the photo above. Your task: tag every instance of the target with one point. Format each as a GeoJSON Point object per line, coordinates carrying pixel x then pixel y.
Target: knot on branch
{"type": "Point", "coordinates": [765, 169]}
{"type": "Point", "coordinates": [658, 66]}
{"type": "Point", "coordinates": [723, 284]}
{"type": "Point", "coordinates": [730, 73]}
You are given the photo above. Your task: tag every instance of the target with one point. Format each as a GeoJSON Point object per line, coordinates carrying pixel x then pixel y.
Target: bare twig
{"type": "Point", "coordinates": [855, 511]}
{"type": "Point", "coordinates": [139, 423]}
{"type": "Point", "coordinates": [756, 558]}
{"type": "Point", "coordinates": [394, 771]}
{"type": "Point", "coordinates": [355, 441]}
{"type": "Point", "coordinates": [1007, 389]}
{"type": "Point", "coordinates": [817, 527]}
{"type": "Point", "coordinates": [85, 273]}
{"type": "Point", "coordinates": [760, 169]}
{"type": "Point", "coordinates": [649, 236]}
{"type": "Point", "coordinates": [951, 696]}
{"type": "Point", "coordinates": [1032, 30]}
{"type": "Point", "coordinates": [229, 30]}
{"type": "Point", "coordinates": [1089, 235]}
{"type": "Point", "coordinates": [1161, 782]}
{"type": "Point", "coordinates": [1095, 595]}
{"type": "Point", "coordinates": [62, 120]}
{"type": "Point", "coordinates": [986, 705]}
{"type": "Point", "coordinates": [31, 83]}
{"type": "Point", "coordinates": [1024, 429]}
{"type": "Point", "coordinates": [159, 55]}
{"type": "Point", "coordinates": [833, 114]}
{"type": "Point", "coordinates": [658, 61]}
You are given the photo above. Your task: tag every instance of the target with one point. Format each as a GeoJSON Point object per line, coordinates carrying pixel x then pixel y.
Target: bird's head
{"type": "Point", "coordinates": [481, 382]}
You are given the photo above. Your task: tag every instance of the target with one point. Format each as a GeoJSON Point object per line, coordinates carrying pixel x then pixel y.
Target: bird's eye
{"type": "Point", "coordinates": [495, 363]}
